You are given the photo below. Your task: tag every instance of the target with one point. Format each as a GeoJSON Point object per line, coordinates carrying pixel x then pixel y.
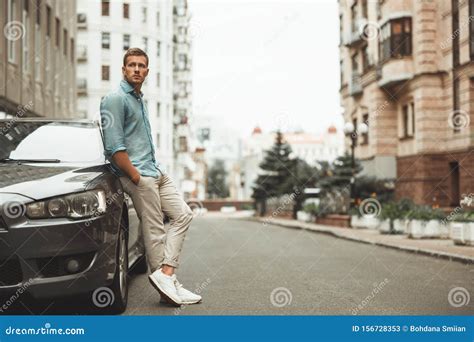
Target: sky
{"type": "Point", "coordinates": [269, 63]}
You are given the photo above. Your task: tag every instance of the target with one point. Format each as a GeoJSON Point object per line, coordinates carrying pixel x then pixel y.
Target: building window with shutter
{"type": "Point", "coordinates": [105, 73]}
{"type": "Point", "coordinates": [407, 121]}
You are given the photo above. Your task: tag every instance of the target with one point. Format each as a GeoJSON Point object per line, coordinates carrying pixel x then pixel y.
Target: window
{"type": "Point", "coordinates": [145, 44]}
{"type": "Point", "coordinates": [158, 18]}
{"type": "Point", "coordinates": [81, 19]}
{"type": "Point", "coordinates": [65, 42]}
{"type": "Point", "coordinates": [366, 61]}
{"type": "Point", "coordinates": [182, 61]}
{"type": "Point", "coordinates": [365, 136]}
{"type": "Point", "coordinates": [105, 73]}
{"type": "Point", "coordinates": [183, 144]}
{"type": "Point", "coordinates": [72, 51]}
{"type": "Point", "coordinates": [455, 31]}
{"type": "Point", "coordinates": [143, 14]}
{"type": "Point", "coordinates": [364, 9]}
{"type": "Point", "coordinates": [105, 8]}
{"type": "Point", "coordinates": [58, 26]}
{"type": "Point", "coordinates": [11, 42]}
{"type": "Point", "coordinates": [158, 48]}
{"type": "Point", "coordinates": [471, 29]}
{"type": "Point", "coordinates": [126, 11]}
{"type": "Point", "coordinates": [407, 121]}
{"type": "Point", "coordinates": [158, 79]}
{"type": "Point", "coordinates": [26, 38]}
{"type": "Point", "coordinates": [456, 99]}
{"type": "Point", "coordinates": [38, 12]}
{"type": "Point", "coordinates": [158, 140]}
{"type": "Point", "coordinates": [341, 67]}
{"type": "Point", "coordinates": [395, 39]}
{"type": "Point", "coordinates": [158, 109]}
{"type": "Point", "coordinates": [48, 21]}
{"type": "Point", "coordinates": [355, 63]}
{"type": "Point", "coordinates": [354, 17]}
{"type": "Point", "coordinates": [106, 40]}
{"type": "Point", "coordinates": [126, 41]}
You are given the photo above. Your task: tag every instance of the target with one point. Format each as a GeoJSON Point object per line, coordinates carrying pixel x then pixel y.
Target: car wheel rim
{"type": "Point", "coordinates": [123, 266]}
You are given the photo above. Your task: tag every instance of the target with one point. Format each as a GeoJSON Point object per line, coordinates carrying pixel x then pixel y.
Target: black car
{"type": "Point", "coordinates": [66, 225]}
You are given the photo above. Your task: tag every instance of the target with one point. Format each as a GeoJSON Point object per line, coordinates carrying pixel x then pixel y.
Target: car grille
{"type": "Point", "coordinates": [10, 272]}
{"type": "Point", "coordinates": [57, 266]}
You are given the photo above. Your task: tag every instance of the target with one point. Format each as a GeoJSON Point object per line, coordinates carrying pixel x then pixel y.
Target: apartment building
{"type": "Point", "coordinates": [407, 71]}
{"type": "Point", "coordinates": [37, 58]}
{"type": "Point", "coordinates": [184, 146]}
{"type": "Point", "coordinates": [106, 29]}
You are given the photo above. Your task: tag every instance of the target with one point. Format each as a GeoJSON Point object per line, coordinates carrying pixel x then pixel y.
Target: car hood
{"type": "Point", "coordinates": [37, 181]}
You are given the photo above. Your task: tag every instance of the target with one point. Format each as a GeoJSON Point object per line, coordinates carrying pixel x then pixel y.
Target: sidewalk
{"type": "Point", "coordinates": [442, 248]}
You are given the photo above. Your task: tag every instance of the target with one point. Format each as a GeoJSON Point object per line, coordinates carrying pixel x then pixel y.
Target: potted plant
{"type": "Point", "coordinates": [461, 228]}
{"type": "Point", "coordinates": [425, 222]}
{"type": "Point", "coordinates": [309, 212]}
{"type": "Point", "coordinates": [405, 206]}
{"type": "Point", "coordinates": [389, 214]}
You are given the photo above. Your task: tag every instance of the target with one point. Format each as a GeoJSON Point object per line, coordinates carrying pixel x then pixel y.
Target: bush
{"type": "Point", "coordinates": [311, 208]}
{"type": "Point", "coordinates": [425, 213]}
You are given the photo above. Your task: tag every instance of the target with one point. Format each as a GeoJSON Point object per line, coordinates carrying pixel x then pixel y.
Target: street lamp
{"type": "Point", "coordinates": [353, 133]}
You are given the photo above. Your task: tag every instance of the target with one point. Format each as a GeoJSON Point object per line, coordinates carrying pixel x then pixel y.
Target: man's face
{"type": "Point", "coordinates": [135, 70]}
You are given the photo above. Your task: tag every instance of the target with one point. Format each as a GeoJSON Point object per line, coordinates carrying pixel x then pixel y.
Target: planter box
{"type": "Point", "coordinates": [364, 222]}
{"type": "Point", "coordinates": [427, 229]}
{"type": "Point", "coordinates": [401, 225]}
{"type": "Point", "coordinates": [462, 233]}
{"type": "Point", "coordinates": [304, 216]}
{"type": "Point", "coordinates": [398, 227]}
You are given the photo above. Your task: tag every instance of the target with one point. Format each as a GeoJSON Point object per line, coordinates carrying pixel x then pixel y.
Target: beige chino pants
{"type": "Point", "coordinates": [151, 198]}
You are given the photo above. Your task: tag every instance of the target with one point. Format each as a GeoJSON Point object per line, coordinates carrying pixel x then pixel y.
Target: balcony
{"type": "Point", "coordinates": [81, 86]}
{"type": "Point", "coordinates": [81, 53]}
{"type": "Point", "coordinates": [355, 84]}
{"type": "Point", "coordinates": [356, 36]}
{"type": "Point", "coordinates": [394, 72]}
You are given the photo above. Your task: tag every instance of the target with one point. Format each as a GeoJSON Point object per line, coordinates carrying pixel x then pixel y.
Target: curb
{"type": "Point", "coordinates": [409, 249]}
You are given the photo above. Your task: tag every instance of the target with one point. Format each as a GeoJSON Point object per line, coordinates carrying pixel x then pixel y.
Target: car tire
{"type": "Point", "coordinates": [140, 266]}
{"type": "Point", "coordinates": [119, 285]}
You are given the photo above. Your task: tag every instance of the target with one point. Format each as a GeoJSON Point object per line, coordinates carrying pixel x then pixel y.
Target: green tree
{"type": "Point", "coordinates": [216, 180]}
{"type": "Point", "coordinates": [276, 170]}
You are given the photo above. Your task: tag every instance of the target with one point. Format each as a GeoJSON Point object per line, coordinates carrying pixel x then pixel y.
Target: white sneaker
{"type": "Point", "coordinates": [187, 297]}
{"type": "Point", "coordinates": [167, 286]}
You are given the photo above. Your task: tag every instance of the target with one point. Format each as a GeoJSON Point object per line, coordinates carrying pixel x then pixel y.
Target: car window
{"type": "Point", "coordinates": [68, 142]}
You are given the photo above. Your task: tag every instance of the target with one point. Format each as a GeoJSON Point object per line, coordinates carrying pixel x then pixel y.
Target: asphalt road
{"type": "Point", "coordinates": [246, 268]}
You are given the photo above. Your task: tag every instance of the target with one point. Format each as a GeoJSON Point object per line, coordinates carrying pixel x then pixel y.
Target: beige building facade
{"type": "Point", "coordinates": [37, 58]}
{"type": "Point", "coordinates": [407, 71]}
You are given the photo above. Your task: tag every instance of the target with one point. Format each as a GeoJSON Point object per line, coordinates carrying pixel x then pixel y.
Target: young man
{"type": "Point", "coordinates": [129, 148]}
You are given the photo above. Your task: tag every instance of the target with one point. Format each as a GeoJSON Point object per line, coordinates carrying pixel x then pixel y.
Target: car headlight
{"type": "Point", "coordinates": [79, 205]}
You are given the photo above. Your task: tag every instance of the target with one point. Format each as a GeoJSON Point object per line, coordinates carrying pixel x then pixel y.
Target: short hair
{"type": "Point", "coordinates": [134, 52]}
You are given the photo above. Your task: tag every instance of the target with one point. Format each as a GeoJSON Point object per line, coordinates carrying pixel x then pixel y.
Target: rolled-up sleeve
{"type": "Point", "coordinates": [112, 114]}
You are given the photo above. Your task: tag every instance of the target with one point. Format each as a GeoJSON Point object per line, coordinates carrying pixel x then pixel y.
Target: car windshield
{"type": "Point", "coordinates": [50, 141]}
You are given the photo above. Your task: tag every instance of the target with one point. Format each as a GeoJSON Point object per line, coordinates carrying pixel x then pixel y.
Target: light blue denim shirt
{"type": "Point", "coordinates": [126, 127]}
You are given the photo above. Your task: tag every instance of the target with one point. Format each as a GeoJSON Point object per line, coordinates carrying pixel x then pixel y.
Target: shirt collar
{"type": "Point", "coordinates": [127, 87]}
